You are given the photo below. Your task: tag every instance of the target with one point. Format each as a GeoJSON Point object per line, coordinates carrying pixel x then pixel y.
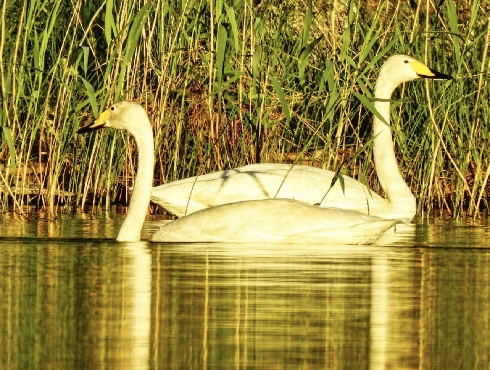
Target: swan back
{"type": "Point", "coordinates": [274, 221]}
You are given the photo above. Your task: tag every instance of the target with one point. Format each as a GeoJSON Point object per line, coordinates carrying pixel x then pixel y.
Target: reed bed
{"type": "Point", "coordinates": [231, 83]}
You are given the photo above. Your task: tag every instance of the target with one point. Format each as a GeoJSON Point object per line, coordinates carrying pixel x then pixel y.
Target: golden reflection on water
{"type": "Point", "coordinates": [88, 303]}
{"type": "Point", "coordinates": [71, 305]}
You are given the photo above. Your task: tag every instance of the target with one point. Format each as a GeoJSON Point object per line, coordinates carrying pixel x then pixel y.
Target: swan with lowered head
{"type": "Point", "coordinates": [271, 220]}
{"type": "Point", "coordinates": [309, 184]}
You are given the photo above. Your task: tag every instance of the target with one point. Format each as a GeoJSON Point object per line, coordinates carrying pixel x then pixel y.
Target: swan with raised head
{"type": "Point", "coordinates": [273, 220]}
{"type": "Point", "coordinates": [309, 184]}
{"type": "Point", "coordinates": [253, 221]}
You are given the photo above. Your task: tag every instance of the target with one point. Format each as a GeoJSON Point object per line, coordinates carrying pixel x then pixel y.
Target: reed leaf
{"type": "Point", "coordinates": [7, 136]}
{"type": "Point", "coordinates": [282, 98]}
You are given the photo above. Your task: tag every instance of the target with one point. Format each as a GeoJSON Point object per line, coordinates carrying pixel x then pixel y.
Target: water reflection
{"type": "Point", "coordinates": [317, 311]}
{"type": "Point", "coordinates": [73, 305]}
{"type": "Point", "coordinates": [91, 304]}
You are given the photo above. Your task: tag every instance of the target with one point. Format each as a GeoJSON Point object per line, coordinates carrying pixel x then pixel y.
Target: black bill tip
{"type": "Point", "coordinates": [439, 75]}
{"type": "Point", "coordinates": [89, 128]}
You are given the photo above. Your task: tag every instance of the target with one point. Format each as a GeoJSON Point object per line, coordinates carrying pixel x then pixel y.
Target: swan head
{"type": "Point", "coordinates": [123, 115]}
{"type": "Point", "coordinates": [403, 68]}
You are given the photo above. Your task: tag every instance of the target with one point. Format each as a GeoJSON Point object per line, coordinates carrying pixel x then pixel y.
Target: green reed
{"type": "Point", "coordinates": [230, 83]}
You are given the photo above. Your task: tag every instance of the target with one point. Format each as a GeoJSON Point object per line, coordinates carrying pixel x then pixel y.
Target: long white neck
{"type": "Point", "coordinates": [397, 192]}
{"type": "Point", "coordinates": [140, 199]}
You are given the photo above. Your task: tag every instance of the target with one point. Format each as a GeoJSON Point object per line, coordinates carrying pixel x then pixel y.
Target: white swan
{"type": "Point", "coordinates": [269, 220]}
{"type": "Point", "coordinates": [254, 221]}
{"type": "Point", "coordinates": [309, 184]}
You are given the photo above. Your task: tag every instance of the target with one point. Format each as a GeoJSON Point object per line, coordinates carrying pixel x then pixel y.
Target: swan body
{"type": "Point", "coordinates": [270, 180]}
{"type": "Point", "coordinates": [308, 184]}
{"type": "Point", "coordinates": [274, 221]}
{"type": "Point", "coordinates": [277, 220]}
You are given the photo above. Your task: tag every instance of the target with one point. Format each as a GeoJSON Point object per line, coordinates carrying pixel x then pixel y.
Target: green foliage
{"type": "Point", "coordinates": [234, 82]}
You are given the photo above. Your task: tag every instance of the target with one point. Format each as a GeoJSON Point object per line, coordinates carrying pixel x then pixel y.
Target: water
{"type": "Point", "coordinates": [71, 298]}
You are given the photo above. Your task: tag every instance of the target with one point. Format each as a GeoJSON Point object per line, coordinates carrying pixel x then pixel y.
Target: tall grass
{"type": "Point", "coordinates": [230, 83]}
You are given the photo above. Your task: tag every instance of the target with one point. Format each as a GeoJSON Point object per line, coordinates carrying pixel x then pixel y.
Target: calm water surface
{"type": "Point", "coordinates": [71, 298]}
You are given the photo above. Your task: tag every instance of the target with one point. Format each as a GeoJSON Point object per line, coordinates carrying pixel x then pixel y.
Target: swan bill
{"type": "Point", "coordinates": [425, 72]}
{"type": "Point", "coordinates": [98, 124]}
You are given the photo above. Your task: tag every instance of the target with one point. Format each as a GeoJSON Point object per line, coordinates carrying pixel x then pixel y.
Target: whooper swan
{"type": "Point", "coordinates": [309, 184]}
{"type": "Point", "coordinates": [269, 220]}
